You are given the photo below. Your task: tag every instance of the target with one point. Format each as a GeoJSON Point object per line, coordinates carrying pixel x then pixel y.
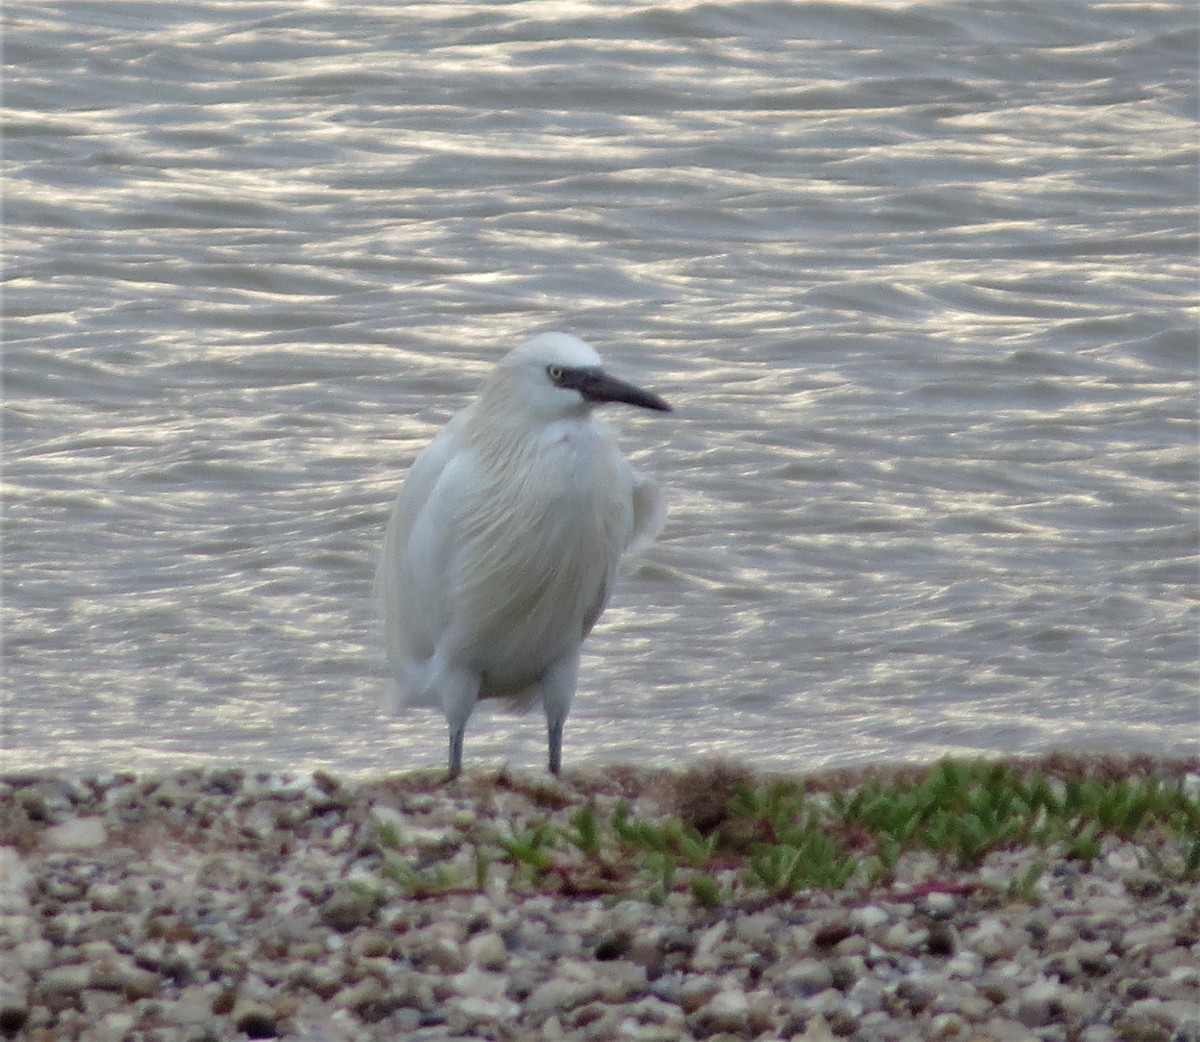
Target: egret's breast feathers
{"type": "Point", "coordinates": [537, 551]}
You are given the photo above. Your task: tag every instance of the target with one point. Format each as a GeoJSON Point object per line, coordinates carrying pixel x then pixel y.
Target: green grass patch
{"type": "Point", "coordinates": [745, 839]}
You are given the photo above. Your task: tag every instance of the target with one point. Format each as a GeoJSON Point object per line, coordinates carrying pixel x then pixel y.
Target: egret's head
{"type": "Point", "coordinates": [557, 374]}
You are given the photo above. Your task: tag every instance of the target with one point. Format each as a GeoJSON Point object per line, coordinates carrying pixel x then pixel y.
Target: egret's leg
{"type": "Point", "coordinates": [456, 744]}
{"type": "Point", "coordinates": [554, 733]}
{"type": "Point", "coordinates": [457, 689]}
{"type": "Point", "coordinates": [558, 688]}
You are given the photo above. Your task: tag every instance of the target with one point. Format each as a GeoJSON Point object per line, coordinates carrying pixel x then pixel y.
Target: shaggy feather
{"type": "Point", "coordinates": [504, 543]}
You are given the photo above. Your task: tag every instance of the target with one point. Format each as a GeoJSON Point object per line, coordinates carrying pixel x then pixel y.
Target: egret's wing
{"type": "Point", "coordinates": [597, 608]}
{"type": "Point", "coordinates": [426, 472]}
{"type": "Point", "coordinates": [649, 513]}
{"type": "Point", "coordinates": [399, 579]}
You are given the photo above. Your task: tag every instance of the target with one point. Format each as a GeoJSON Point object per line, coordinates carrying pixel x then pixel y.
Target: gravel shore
{"type": "Point", "coordinates": [215, 904]}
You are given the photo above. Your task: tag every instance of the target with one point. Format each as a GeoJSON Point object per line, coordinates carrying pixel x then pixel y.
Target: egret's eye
{"type": "Point", "coordinates": [555, 372]}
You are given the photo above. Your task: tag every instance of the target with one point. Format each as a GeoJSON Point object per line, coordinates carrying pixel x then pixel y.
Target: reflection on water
{"type": "Point", "coordinates": [919, 281]}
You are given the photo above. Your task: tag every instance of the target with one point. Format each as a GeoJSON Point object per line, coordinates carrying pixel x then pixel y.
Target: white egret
{"type": "Point", "coordinates": [503, 544]}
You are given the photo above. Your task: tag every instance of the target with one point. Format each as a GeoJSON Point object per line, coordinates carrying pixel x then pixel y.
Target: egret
{"type": "Point", "coordinates": [504, 541]}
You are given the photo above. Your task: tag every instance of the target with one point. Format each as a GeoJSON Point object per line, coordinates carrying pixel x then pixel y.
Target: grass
{"type": "Point", "coordinates": [730, 837]}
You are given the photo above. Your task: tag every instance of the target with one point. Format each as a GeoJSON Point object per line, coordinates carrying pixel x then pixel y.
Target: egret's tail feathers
{"type": "Point", "coordinates": [414, 686]}
{"type": "Point", "coordinates": [391, 701]}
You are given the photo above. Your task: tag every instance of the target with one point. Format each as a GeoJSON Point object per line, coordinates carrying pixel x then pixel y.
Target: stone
{"type": "Point", "coordinates": [915, 994]}
{"type": "Point", "coordinates": [854, 945]}
{"type": "Point", "coordinates": [999, 1029]}
{"type": "Point", "coordinates": [806, 977]}
{"type": "Point", "coordinates": [993, 939]}
{"type": "Point", "coordinates": [113, 1027]}
{"type": "Point", "coordinates": [475, 1009]}
{"type": "Point", "coordinates": [904, 937]}
{"type": "Point", "coordinates": [1094, 957]}
{"type": "Point", "coordinates": [940, 905]}
{"type": "Point", "coordinates": [621, 980]}
{"type": "Point", "coordinates": [371, 1000]}
{"type": "Point", "coordinates": [725, 1011]}
{"type": "Point", "coordinates": [1040, 1003]}
{"type": "Point", "coordinates": [370, 944]}
{"type": "Point", "coordinates": [1138, 1029]}
{"type": "Point", "coordinates": [847, 970]}
{"type": "Point", "coordinates": [868, 918]}
{"type": "Point", "coordinates": [476, 983]}
{"type": "Point", "coordinates": [350, 907]}
{"type": "Point", "coordinates": [110, 897]}
{"type": "Point", "coordinates": [947, 1026]}
{"type": "Point", "coordinates": [438, 953]}
{"type": "Point", "coordinates": [33, 956]}
{"type": "Point", "coordinates": [966, 965]}
{"type": "Point", "coordinates": [1171, 1013]}
{"type": "Point", "coordinates": [697, 990]}
{"type": "Point", "coordinates": [817, 1030]}
{"type": "Point", "coordinates": [759, 931]}
{"type": "Point", "coordinates": [65, 980]}
{"type": "Point", "coordinates": [559, 994]}
{"type": "Point", "coordinates": [487, 951]}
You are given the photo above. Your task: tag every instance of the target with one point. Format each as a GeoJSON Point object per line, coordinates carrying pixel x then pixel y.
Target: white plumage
{"type": "Point", "coordinates": [504, 542]}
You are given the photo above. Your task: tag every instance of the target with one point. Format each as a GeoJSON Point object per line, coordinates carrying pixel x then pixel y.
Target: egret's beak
{"type": "Point", "coordinates": [597, 386]}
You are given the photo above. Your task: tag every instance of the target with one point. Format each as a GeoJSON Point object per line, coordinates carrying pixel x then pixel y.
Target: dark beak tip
{"type": "Point", "coordinates": [652, 402]}
{"type": "Point", "coordinates": [600, 387]}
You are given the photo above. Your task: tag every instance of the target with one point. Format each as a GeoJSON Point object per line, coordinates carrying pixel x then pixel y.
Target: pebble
{"type": "Point", "coordinates": [941, 906]}
{"type": "Point", "coordinates": [993, 938]}
{"type": "Point", "coordinates": [218, 906]}
{"type": "Point", "coordinates": [76, 834]}
{"type": "Point", "coordinates": [725, 1011]}
{"type": "Point", "coordinates": [805, 977]}
{"type": "Point", "coordinates": [868, 918]}
{"type": "Point", "coordinates": [559, 994]}
{"type": "Point", "coordinates": [1040, 1003]}
{"type": "Point", "coordinates": [487, 951]}
{"type": "Point", "coordinates": [904, 937]}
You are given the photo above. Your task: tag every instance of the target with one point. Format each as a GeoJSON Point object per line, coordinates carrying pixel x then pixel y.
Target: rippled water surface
{"type": "Point", "coordinates": [919, 279]}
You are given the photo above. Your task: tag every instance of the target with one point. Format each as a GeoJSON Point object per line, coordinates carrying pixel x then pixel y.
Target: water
{"type": "Point", "coordinates": [920, 281]}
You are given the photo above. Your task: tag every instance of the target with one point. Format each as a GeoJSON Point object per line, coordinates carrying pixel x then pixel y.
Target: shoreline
{"type": "Point", "coordinates": [209, 904]}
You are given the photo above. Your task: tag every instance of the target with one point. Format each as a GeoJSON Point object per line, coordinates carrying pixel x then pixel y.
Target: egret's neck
{"type": "Point", "coordinates": [511, 441]}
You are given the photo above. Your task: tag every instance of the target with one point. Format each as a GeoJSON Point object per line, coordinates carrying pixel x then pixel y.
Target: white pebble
{"type": "Point", "coordinates": [77, 834]}
{"type": "Point", "coordinates": [487, 951]}
{"type": "Point", "coordinates": [868, 918]}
